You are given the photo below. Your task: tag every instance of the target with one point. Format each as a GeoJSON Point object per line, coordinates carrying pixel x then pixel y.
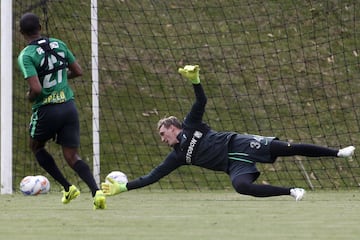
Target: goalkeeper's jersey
{"type": "Point", "coordinates": [198, 145]}
{"type": "Point", "coordinates": [51, 70]}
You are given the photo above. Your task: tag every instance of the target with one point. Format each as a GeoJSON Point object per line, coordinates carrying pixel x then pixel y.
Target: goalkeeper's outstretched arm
{"type": "Point", "coordinates": [112, 187]}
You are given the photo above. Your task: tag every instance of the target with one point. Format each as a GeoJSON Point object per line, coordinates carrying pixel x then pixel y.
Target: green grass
{"type": "Point", "coordinates": [182, 215]}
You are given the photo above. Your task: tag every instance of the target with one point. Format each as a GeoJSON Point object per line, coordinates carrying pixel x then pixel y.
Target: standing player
{"type": "Point", "coordinates": [47, 64]}
{"type": "Point", "coordinates": [194, 143]}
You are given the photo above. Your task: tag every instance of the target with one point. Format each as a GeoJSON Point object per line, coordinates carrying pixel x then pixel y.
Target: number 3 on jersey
{"type": "Point", "coordinates": [52, 60]}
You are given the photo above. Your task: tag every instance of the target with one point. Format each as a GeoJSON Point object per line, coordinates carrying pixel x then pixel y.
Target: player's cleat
{"type": "Point", "coordinates": [70, 195]}
{"type": "Point", "coordinates": [297, 193]}
{"type": "Point", "coordinates": [346, 152]}
{"type": "Point", "coordinates": [99, 200]}
{"type": "Point", "coordinates": [191, 72]}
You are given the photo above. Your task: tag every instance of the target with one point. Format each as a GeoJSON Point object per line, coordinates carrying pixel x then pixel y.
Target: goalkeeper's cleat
{"type": "Point", "coordinates": [70, 195]}
{"type": "Point", "coordinates": [99, 200]}
{"type": "Point", "coordinates": [297, 193]}
{"type": "Point", "coordinates": [346, 152]}
{"type": "Point", "coordinates": [191, 72]}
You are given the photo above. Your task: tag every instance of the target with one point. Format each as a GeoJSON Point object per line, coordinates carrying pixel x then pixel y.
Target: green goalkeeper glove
{"type": "Point", "coordinates": [112, 187]}
{"type": "Point", "coordinates": [191, 72]}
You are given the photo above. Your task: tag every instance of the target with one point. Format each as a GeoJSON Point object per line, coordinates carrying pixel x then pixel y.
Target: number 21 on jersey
{"type": "Point", "coordinates": [52, 61]}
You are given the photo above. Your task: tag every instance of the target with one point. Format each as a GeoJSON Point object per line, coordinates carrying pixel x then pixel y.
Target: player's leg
{"type": "Point", "coordinates": [243, 184]}
{"type": "Point", "coordinates": [84, 172]}
{"type": "Point", "coordinates": [69, 139]}
{"type": "Point", "coordinates": [281, 148]}
{"type": "Point", "coordinates": [47, 162]}
{"type": "Point", "coordinates": [243, 174]}
{"type": "Point", "coordinates": [42, 127]}
{"type": "Point", "coordinates": [80, 167]}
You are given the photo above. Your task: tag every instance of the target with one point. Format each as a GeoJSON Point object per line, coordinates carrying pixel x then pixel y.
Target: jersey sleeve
{"type": "Point", "coordinates": [194, 118]}
{"type": "Point", "coordinates": [70, 56]}
{"type": "Point", "coordinates": [166, 167]}
{"type": "Point", "coordinates": [26, 65]}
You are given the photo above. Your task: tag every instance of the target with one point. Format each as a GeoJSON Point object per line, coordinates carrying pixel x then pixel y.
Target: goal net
{"type": "Point", "coordinates": [275, 68]}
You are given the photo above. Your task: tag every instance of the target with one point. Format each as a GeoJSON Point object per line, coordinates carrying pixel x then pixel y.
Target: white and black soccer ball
{"type": "Point", "coordinates": [118, 176]}
{"type": "Point", "coordinates": [30, 186]}
{"type": "Point", "coordinates": [45, 184]}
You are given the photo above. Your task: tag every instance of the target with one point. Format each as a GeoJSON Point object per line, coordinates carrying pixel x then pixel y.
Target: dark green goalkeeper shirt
{"type": "Point", "coordinates": [198, 145]}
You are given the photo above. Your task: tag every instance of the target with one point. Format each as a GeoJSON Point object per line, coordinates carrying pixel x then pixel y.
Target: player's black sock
{"type": "Point", "coordinates": [259, 190]}
{"type": "Point", "coordinates": [83, 170]}
{"type": "Point", "coordinates": [47, 162]}
{"type": "Point", "coordinates": [280, 148]}
{"type": "Point", "coordinates": [243, 184]}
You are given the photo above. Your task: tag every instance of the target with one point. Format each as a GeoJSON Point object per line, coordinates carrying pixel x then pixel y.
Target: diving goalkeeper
{"type": "Point", "coordinates": [195, 143]}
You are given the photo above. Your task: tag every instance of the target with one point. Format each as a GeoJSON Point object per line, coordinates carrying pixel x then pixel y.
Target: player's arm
{"type": "Point", "coordinates": [74, 70]}
{"type": "Point", "coordinates": [34, 88]}
{"type": "Point", "coordinates": [156, 174]}
{"type": "Point", "coordinates": [30, 75]}
{"type": "Point", "coordinates": [166, 167]}
{"type": "Point", "coordinates": [73, 67]}
{"type": "Point", "coordinates": [194, 117]}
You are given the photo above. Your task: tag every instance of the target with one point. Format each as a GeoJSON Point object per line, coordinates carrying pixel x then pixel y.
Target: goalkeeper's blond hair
{"type": "Point", "coordinates": [168, 121]}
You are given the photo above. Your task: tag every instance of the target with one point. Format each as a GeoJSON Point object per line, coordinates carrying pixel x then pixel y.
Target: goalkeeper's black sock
{"type": "Point", "coordinates": [243, 184]}
{"type": "Point", "coordinates": [47, 162]}
{"type": "Point", "coordinates": [83, 170]}
{"type": "Point", "coordinates": [280, 148]}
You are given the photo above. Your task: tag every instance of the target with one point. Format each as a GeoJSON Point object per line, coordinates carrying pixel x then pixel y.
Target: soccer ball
{"type": "Point", "coordinates": [30, 186]}
{"type": "Point", "coordinates": [118, 176]}
{"type": "Point", "coordinates": [45, 184]}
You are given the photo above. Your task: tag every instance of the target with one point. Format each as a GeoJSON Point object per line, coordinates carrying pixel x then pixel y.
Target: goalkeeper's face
{"type": "Point", "coordinates": [169, 135]}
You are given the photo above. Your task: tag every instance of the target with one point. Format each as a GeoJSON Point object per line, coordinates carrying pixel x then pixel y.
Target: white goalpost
{"type": "Point", "coordinates": [6, 97]}
{"type": "Point", "coordinates": [95, 91]}
{"type": "Point", "coordinates": [7, 94]}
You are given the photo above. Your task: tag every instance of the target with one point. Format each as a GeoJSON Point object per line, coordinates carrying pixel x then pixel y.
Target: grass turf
{"type": "Point", "coordinates": [182, 215]}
